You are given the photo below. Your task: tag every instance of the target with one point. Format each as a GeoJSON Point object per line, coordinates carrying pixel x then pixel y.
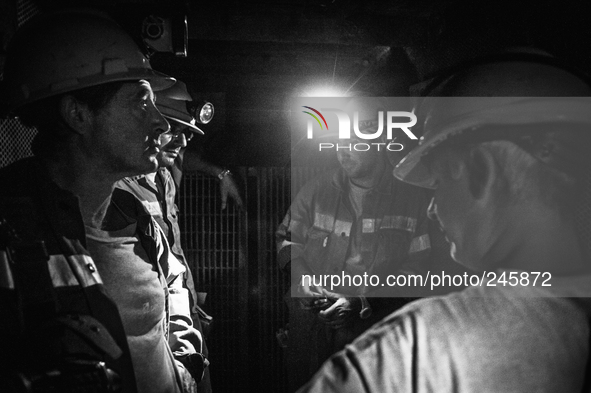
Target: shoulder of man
{"type": "Point", "coordinates": [387, 356]}
{"type": "Point", "coordinates": [127, 183]}
{"type": "Point", "coordinates": [30, 200]}
{"type": "Point", "coordinates": [436, 316]}
{"type": "Point", "coordinates": [125, 209]}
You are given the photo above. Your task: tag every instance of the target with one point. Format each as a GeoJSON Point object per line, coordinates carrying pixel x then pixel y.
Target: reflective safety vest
{"type": "Point", "coordinates": [160, 204]}
{"type": "Point", "coordinates": [56, 321]}
{"type": "Point", "coordinates": [318, 226]}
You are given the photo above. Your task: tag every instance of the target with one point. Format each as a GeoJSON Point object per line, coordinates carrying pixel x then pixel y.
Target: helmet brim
{"type": "Point", "coordinates": [160, 81]}
{"type": "Point", "coordinates": [515, 111]}
{"type": "Point", "coordinates": [193, 127]}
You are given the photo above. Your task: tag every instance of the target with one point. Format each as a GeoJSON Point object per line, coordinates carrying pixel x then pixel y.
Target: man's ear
{"type": "Point", "coordinates": [482, 173]}
{"type": "Point", "coordinates": [75, 114]}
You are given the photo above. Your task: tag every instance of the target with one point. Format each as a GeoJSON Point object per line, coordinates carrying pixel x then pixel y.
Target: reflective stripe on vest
{"type": "Point", "coordinates": [399, 222]}
{"type": "Point", "coordinates": [326, 222]}
{"type": "Point", "coordinates": [369, 225]}
{"type": "Point", "coordinates": [342, 228]}
{"type": "Point", "coordinates": [420, 243]}
{"type": "Point", "coordinates": [323, 221]}
{"type": "Point", "coordinates": [152, 207]}
{"type": "Point", "coordinates": [6, 279]}
{"type": "Point", "coordinates": [73, 270]}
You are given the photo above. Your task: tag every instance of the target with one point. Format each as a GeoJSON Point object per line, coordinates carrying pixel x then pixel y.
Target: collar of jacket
{"type": "Point", "coordinates": [126, 209]}
{"type": "Point", "coordinates": [142, 180]}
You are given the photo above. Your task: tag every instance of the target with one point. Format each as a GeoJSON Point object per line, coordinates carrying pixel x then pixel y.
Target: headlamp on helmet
{"type": "Point", "coordinates": [202, 113]}
{"type": "Point", "coordinates": [176, 104]}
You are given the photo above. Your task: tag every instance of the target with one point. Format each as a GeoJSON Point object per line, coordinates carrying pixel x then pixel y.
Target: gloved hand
{"type": "Point", "coordinates": [342, 312]}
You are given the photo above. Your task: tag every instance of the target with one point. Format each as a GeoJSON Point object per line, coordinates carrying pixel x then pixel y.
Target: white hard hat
{"type": "Point", "coordinates": [172, 103]}
{"type": "Point", "coordinates": [511, 91]}
{"type": "Point", "coordinates": [71, 50]}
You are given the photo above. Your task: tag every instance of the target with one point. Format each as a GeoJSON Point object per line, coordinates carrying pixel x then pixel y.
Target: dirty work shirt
{"type": "Point", "coordinates": [135, 286]}
{"type": "Point", "coordinates": [478, 340]}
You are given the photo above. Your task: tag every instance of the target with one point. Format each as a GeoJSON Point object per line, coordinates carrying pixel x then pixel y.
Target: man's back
{"type": "Point", "coordinates": [481, 339]}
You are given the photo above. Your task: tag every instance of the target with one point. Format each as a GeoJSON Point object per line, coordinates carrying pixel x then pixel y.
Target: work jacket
{"type": "Point", "coordinates": [139, 199]}
{"type": "Point", "coordinates": [318, 227]}
{"type": "Point", "coordinates": [53, 304]}
{"type": "Point", "coordinates": [125, 209]}
{"type": "Point", "coordinates": [159, 202]}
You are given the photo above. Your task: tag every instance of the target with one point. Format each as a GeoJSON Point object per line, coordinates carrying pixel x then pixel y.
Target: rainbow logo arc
{"type": "Point", "coordinates": [318, 113]}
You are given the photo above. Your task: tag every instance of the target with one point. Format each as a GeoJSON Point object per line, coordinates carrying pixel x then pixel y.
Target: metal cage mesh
{"type": "Point", "coordinates": [15, 141]}
{"type": "Point", "coordinates": [213, 242]}
{"type": "Point", "coordinates": [234, 255]}
{"type": "Point", "coordinates": [25, 10]}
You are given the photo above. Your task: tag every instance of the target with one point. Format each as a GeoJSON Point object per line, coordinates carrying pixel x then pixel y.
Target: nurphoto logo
{"type": "Point", "coordinates": [370, 130]}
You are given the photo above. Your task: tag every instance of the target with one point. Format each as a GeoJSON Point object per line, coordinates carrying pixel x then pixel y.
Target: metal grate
{"type": "Point", "coordinates": [275, 189]}
{"type": "Point", "coordinates": [25, 10]}
{"type": "Point", "coordinates": [15, 141]}
{"type": "Point", "coordinates": [246, 288]}
{"type": "Point", "coordinates": [271, 284]}
{"type": "Point", "coordinates": [213, 241]}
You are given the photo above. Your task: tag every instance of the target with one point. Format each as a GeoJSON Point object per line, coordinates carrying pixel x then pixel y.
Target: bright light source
{"type": "Point", "coordinates": [202, 112]}
{"type": "Point", "coordinates": [322, 91]}
{"type": "Point", "coordinates": [206, 113]}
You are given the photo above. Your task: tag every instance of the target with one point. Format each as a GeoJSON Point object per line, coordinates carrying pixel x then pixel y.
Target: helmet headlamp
{"type": "Point", "coordinates": [202, 113]}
